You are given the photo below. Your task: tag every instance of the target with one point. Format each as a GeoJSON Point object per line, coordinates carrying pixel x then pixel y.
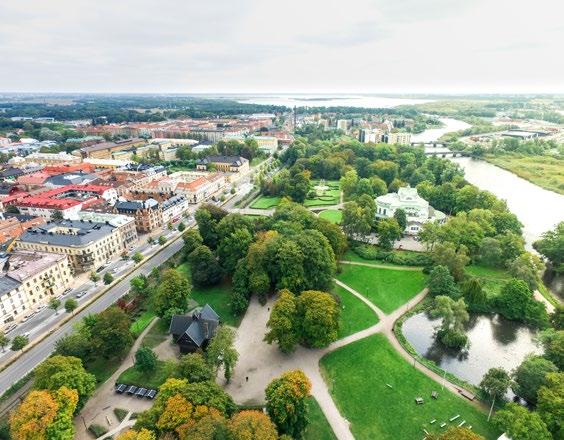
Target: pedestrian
{"type": "Point", "coordinates": [246, 378]}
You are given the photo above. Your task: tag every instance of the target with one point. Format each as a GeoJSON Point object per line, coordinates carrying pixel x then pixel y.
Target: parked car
{"type": "Point", "coordinates": [151, 394]}
{"type": "Point", "coordinates": [26, 317]}
{"type": "Point", "coordinates": [10, 328]}
{"type": "Point", "coordinates": [81, 294]}
{"type": "Point", "coordinates": [69, 290]}
{"type": "Point", "coordinates": [120, 388]}
{"type": "Point", "coordinates": [141, 392]}
{"type": "Point", "coordinates": [40, 307]}
{"type": "Point", "coordinates": [132, 389]}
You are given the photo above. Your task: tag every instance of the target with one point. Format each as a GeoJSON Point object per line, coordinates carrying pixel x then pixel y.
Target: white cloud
{"type": "Point", "coordinates": [262, 46]}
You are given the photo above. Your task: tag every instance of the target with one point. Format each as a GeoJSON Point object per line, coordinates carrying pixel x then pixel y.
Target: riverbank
{"type": "Point", "coordinates": [544, 171]}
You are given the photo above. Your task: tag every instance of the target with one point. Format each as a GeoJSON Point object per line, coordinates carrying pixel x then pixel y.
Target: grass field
{"type": "Point", "coordinates": [386, 288]}
{"type": "Point", "coordinates": [265, 202]}
{"type": "Point", "coordinates": [141, 323]}
{"type": "Point", "coordinates": [102, 368]}
{"type": "Point", "coordinates": [318, 428]}
{"type": "Point", "coordinates": [357, 376]}
{"type": "Point", "coordinates": [355, 315]}
{"type": "Point", "coordinates": [333, 215]}
{"type": "Point", "coordinates": [493, 279]}
{"type": "Point", "coordinates": [544, 171]}
{"type": "Point", "coordinates": [216, 296]}
{"type": "Point", "coordinates": [330, 197]}
{"type": "Point", "coordinates": [156, 335]}
{"type": "Point", "coordinates": [154, 379]}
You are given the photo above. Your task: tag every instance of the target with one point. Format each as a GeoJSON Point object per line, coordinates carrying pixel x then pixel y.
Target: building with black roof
{"type": "Point", "coordinates": [193, 332]}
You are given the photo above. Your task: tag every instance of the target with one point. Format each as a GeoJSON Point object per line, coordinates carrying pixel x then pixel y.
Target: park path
{"type": "Point", "coordinates": [381, 266]}
{"type": "Point", "coordinates": [100, 406]}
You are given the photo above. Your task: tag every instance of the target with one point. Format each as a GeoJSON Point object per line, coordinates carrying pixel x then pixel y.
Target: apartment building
{"type": "Point", "coordinates": [29, 279]}
{"type": "Point", "coordinates": [14, 225]}
{"type": "Point", "coordinates": [147, 213]}
{"type": "Point", "coordinates": [398, 138]}
{"type": "Point", "coordinates": [105, 150]}
{"type": "Point", "coordinates": [125, 225]}
{"type": "Point", "coordinates": [87, 244]}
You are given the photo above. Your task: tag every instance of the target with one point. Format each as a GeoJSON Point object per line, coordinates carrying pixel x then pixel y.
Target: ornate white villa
{"type": "Point", "coordinates": [417, 209]}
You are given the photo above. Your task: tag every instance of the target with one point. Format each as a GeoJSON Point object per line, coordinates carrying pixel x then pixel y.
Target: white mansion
{"type": "Point", "coordinates": [417, 209]}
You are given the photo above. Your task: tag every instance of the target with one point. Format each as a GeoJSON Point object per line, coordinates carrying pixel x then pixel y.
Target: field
{"type": "Point", "coordinates": [357, 376]}
{"type": "Point", "coordinates": [157, 334]}
{"type": "Point", "coordinates": [141, 323]}
{"type": "Point", "coordinates": [318, 427]}
{"type": "Point", "coordinates": [265, 202]}
{"type": "Point", "coordinates": [544, 171]}
{"type": "Point", "coordinates": [492, 279]}
{"type": "Point", "coordinates": [333, 215]}
{"type": "Point", "coordinates": [216, 296]}
{"type": "Point", "coordinates": [386, 288]}
{"type": "Point", "coordinates": [132, 376]}
{"type": "Point", "coordinates": [355, 315]}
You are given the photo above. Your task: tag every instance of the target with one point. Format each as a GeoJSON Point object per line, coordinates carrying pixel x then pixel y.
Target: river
{"type": "Point", "coordinates": [337, 100]}
{"type": "Point", "coordinates": [537, 208]}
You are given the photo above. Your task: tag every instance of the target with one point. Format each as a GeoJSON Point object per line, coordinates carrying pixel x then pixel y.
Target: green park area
{"type": "Point", "coordinates": [318, 427]}
{"type": "Point", "coordinates": [327, 193]}
{"type": "Point", "coordinates": [150, 379]}
{"type": "Point", "coordinates": [387, 288]}
{"type": "Point", "coordinates": [333, 215]}
{"type": "Point", "coordinates": [266, 202]}
{"type": "Point", "coordinates": [375, 390]}
{"type": "Point", "coordinates": [492, 279]}
{"type": "Point", "coordinates": [355, 315]}
{"type": "Point", "coordinates": [216, 296]}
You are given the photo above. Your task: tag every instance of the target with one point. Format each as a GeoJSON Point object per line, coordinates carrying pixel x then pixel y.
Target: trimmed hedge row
{"type": "Point", "coordinates": [400, 258]}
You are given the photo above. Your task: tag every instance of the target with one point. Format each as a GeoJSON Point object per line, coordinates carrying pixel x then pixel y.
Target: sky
{"type": "Point", "coordinates": [291, 46]}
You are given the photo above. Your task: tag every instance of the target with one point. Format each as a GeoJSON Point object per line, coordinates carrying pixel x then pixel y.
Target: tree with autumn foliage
{"type": "Point", "coordinates": [286, 402]}
{"type": "Point", "coordinates": [177, 411]}
{"type": "Point", "coordinates": [250, 425]}
{"type": "Point", "coordinates": [45, 415]}
{"type": "Point", "coordinates": [142, 434]}
{"type": "Point", "coordinates": [455, 433]}
{"type": "Point", "coordinates": [211, 425]}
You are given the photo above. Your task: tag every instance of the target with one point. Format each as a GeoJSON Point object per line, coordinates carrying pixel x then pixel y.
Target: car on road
{"type": "Point", "coordinates": [101, 268]}
{"type": "Point", "coordinates": [40, 307]}
{"type": "Point", "coordinates": [27, 317]}
{"type": "Point", "coordinates": [10, 328]}
{"type": "Point", "coordinates": [69, 290]}
{"type": "Point", "coordinates": [81, 294]}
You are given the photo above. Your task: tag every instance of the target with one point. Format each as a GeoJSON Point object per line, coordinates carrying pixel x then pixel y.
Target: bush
{"type": "Point", "coordinates": [369, 252]}
{"type": "Point", "coordinates": [97, 430]}
{"type": "Point", "coordinates": [120, 413]}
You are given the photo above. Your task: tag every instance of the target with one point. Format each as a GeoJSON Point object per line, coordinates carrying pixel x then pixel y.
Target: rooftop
{"type": "Point", "coordinates": [70, 233]}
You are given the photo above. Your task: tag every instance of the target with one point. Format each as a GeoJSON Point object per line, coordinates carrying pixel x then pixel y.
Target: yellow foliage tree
{"type": "Point", "coordinates": [251, 425]}
{"type": "Point", "coordinates": [32, 418]}
{"type": "Point", "coordinates": [177, 411]}
{"type": "Point", "coordinates": [143, 434]}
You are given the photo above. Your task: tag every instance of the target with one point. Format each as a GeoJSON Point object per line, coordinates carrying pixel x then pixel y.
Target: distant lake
{"type": "Point", "coordinates": [313, 100]}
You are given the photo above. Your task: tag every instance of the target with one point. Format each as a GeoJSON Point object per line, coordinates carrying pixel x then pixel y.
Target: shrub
{"type": "Point", "coordinates": [120, 413]}
{"type": "Point", "coordinates": [97, 430]}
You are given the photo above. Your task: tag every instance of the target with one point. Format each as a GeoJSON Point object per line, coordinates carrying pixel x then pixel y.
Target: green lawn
{"type": "Point", "coordinates": [141, 323]}
{"type": "Point", "coordinates": [102, 368]}
{"type": "Point", "coordinates": [330, 197]}
{"type": "Point", "coordinates": [355, 315]}
{"type": "Point", "coordinates": [353, 256]}
{"type": "Point", "coordinates": [318, 427]}
{"type": "Point", "coordinates": [493, 279]}
{"type": "Point", "coordinates": [333, 215]}
{"type": "Point", "coordinates": [386, 288]}
{"type": "Point", "coordinates": [216, 296]}
{"type": "Point", "coordinates": [132, 376]}
{"type": "Point", "coordinates": [357, 376]}
{"type": "Point", "coordinates": [156, 335]}
{"type": "Point", "coordinates": [266, 202]}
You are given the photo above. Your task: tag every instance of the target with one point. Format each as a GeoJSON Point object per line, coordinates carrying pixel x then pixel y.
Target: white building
{"type": "Point", "coordinates": [398, 138]}
{"type": "Point", "coordinates": [417, 210]}
{"type": "Point", "coordinates": [343, 124]}
{"type": "Point", "coordinates": [373, 136]}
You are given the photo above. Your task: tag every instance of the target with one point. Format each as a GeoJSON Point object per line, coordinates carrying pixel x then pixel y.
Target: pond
{"type": "Point", "coordinates": [494, 342]}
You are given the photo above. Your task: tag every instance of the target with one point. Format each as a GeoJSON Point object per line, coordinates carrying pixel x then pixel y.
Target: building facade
{"type": "Point", "coordinates": [147, 213]}
{"type": "Point", "coordinates": [226, 164]}
{"type": "Point", "coordinates": [417, 210]}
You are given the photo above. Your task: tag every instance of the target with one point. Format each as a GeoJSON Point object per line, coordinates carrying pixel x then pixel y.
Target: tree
{"type": "Point", "coordinates": [553, 344]}
{"type": "Point", "coordinates": [57, 216]}
{"type": "Point", "coordinates": [192, 239]}
{"type": "Point", "coordinates": [162, 240]}
{"type": "Point", "coordinates": [145, 360]}
{"type": "Point", "coordinates": [181, 227]}
{"type": "Point", "coordinates": [454, 316]}
{"type": "Point", "coordinates": [286, 402]}
{"type": "Point", "coordinates": [388, 231]}
{"type": "Point", "coordinates": [516, 301]}
{"type": "Point", "coordinates": [490, 252]}
{"type": "Point", "coordinates": [447, 255]}
{"type": "Point", "coordinates": [551, 245]}
{"type": "Point", "coordinates": [521, 424]}
{"type": "Point", "coordinates": [441, 282]}
{"type": "Point", "coordinates": [283, 322]}
{"type": "Point", "coordinates": [110, 333]}
{"type": "Point", "coordinates": [204, 267]}
{"type": "Point", "coordinates": [94, 277]}
{"type": "Point", "coordinates": [142, 434]}
{"type": "Point", "coordinates": [151, 240]}
{"type": "Point", "coordinates": [45, 414]}
{"type": "Point", "coordinates": [495, 384]}
{"type": "Point", "coordinates": [455, 433]}
{"type": "Point", "coordinates": [221, 351]}
{"type": "Point", "coordinates": [527, 267]}
{"type": "Point", "coordinates": [19, 342]}
{"type": "Point", "coordinates": [194, 367]}
{"type": "Point", "coordinates": [550, 403]}
{"type": "Point", "coordinates": [474, 295]}
{"type": "Point", "coordinates": [233, 247]}
{"type": "Point", "coordinates": [356, 221]}
{"type": "Point", "coordinates": [530, 376]}
{"type": "Point", "coordinates": [108, 278]}
{"type": "Point", "coordinates": [137, 257]}
{"type": "Point", "coordinates": [172, 293]}
{"type": "Point", "coordinates": [207, 218]}
{"type": "Point", "coordinates": [54, 303]}
{"type": "Point", "coordinates": [58, 371]}
{"type": "Point", "coordinates": [401, 218]}
{"type": "Point", "coordinates": [4, 341]}
{"type": "Point", "coordinates": [250, 424]}
{"type": "Point", "coordinates": [318, 318]}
